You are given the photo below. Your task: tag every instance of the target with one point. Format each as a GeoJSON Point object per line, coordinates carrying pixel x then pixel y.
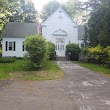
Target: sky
{"type": "Point", "coordinates": [39, 3]}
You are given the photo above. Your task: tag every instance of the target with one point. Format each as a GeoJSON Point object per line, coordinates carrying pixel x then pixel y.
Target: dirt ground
{"type": "Point", "coordinates": [79, 89]}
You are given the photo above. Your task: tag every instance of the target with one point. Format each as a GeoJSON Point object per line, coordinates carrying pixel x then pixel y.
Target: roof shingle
{"type": "Point", "coordinates": [19, 30]}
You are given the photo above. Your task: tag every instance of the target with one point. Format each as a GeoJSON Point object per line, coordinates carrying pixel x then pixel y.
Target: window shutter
{"type": "Point", "coordinates": [14, 44]}
{"type": "Point", "coordinates": [23, 46]}
{"type": "Point", "coordinates": [6, 46]}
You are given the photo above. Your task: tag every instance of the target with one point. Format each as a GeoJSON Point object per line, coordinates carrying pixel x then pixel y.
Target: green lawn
{"type": "Point", "coordinates": [18, 71]}
{"type": "Point", "coordinates": [95, 67]}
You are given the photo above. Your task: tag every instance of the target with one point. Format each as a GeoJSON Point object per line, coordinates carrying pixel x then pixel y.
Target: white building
{"type": "Point", "coordinates": [13, 38]}
{"type": "Point", "coordinates": [59, 29]}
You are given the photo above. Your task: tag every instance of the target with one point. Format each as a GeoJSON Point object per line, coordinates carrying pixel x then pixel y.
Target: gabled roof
{"type": "Point", "coordinates": [19, 30]}
{"type": "Point", "coordinates": [81, 32]}
{"type": "Point", "coordinates": [59, 9]}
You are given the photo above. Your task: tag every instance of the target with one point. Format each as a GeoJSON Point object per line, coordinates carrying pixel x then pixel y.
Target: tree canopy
{"type": "Point", "coordinates": [17, 10]}
{"type": "Point", "coordinates": [52, 6]}
{"type": "Point", "coordinates": [48, 9]}
{"type": "Point", "coordinates": [99, 26]}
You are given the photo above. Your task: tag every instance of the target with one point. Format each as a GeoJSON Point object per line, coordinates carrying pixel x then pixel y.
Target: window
{"type": "Point", "coordinates": [60, 11]}
{"type": "Point", "coordinates": [63, 47]}
{"type": "Point", "coordinates": [56, 47]}
{"type": "Point", "coordinates": [60, 47]}
{"type": "Point", "coordinates": [10, 46]}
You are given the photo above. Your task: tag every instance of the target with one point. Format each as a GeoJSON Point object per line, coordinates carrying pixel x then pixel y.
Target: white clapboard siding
{"type": "Point", "coordinates": [60, 20]}
{"type": "Point", "coordinates": [18, 48]}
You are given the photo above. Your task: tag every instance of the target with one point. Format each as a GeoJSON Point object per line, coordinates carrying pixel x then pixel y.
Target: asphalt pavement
{"type": "Point", "coordinates": [79, 89]}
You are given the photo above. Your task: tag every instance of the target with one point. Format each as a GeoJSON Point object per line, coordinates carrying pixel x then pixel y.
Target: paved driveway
{"type": "Point", "coordinates": [80, 89]}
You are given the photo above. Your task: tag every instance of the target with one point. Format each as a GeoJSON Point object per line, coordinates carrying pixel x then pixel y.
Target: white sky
{"type": "Point", "coordinates": [39, 3]}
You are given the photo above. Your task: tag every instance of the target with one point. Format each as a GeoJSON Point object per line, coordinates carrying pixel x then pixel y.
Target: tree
{"type": "Point", "coordinates": [86, 8]}
{"type": "Point", "coordinates": [7, 8]}
{"type": "Point", "coordinates": [99, 26]}
{"type": "Point", "coordinates": [37, 51]}
{"type": "Point", "coordinates": [49, 8]}
{"type": "Point", "coordinates": [90, 5]}
{"type": "Point", "coordinates": [30, 13]}
{"type": "Point", "coordinates": [70, 8]}
{"type": "Point", "coordinates": [16, 10]}
{"type": "Point", "coordinates": [52, 6]}
{"type": "Point", "coordinates": [25, 12]}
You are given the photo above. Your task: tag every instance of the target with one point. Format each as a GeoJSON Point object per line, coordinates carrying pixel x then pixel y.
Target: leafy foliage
{"type": "Point", "coordinates": [25, 12]}
{"type": "Point", "coordinates": [90, 4]}
{"type": "Point", "coordinates": [0, 52]}
{"type": "Point", "coordinates": [7, 60]}
{"type": "Point", "coordinates": [98, 31]}
{"type": "Point", "coordinates": [49, 8]}
{"type": "Point", "coordinates": [37, 51]}
{"type": "Point", "coordinates": [98, 55]}
{"type": "Point", "coordinates": [51, 50]}
{"type": "Point", "coordinates": [16, 10]}
{"type": "Point", "coordinates": [29, 13]}
{"type": "Point", "coordinates": [52, 6]}
{"type": "Point", "coordinates": [73, 50]}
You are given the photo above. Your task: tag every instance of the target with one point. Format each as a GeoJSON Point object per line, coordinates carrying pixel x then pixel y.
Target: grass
{"type": "Point", "coordinates": [17, 71]}
{"type": "Point", "coordinates": [95, 67]}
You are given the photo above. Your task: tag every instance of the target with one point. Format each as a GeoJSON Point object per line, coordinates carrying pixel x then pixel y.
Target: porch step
{"type": "Point", "coordinates": [61, 59]}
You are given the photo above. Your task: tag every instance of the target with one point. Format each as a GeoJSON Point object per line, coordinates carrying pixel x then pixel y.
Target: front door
{"type": "Point", "coordinates": [60, 47]}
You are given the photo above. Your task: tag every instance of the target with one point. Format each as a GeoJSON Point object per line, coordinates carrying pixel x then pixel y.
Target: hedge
{"type": "Point", "coordinates": [98, 55]}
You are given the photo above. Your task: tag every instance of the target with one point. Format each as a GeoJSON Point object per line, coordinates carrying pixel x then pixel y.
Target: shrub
{"type": "Point", "coordinates": [37, 51]}
{"type": "Point", "coordinates": [84, 51]}
{"type": "Point", "coordinates": [7, 60]}
{"type": "Point", "coordinates": [73, 50]}
{"type": "Point", "coordinates": [107, 60]}
{"type": "Point", "coordinates": [51, 50]}
{"type": "Point", "coordinates": [96, 55]}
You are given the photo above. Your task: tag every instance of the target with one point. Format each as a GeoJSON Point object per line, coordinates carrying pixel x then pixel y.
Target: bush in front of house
{"type": "Point", "coordinates": [37, 51]}
{"type": "Point", "coordinates": [96, 55]}
{"type": "Point", "coordinates": [51, 50]}
{"type": "Point", "coordinates": [72, 51]}
{"type": "Point", "coordinates": [7, 60]}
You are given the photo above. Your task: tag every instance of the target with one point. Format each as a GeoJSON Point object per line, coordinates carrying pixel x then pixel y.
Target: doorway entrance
{"type": "Point", "coordinates": [60, 47]}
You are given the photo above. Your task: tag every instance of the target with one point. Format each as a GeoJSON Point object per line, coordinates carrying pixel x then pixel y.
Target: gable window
{"type": "Point", "coordinates": [60, 11]}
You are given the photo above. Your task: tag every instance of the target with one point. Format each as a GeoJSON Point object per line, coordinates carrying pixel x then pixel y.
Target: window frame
{"type": "Point", "coordinates": [10, 46]}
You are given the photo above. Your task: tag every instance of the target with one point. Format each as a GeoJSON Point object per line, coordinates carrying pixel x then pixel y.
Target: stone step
{"type": "Point", "coordinates": [61, 59]}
